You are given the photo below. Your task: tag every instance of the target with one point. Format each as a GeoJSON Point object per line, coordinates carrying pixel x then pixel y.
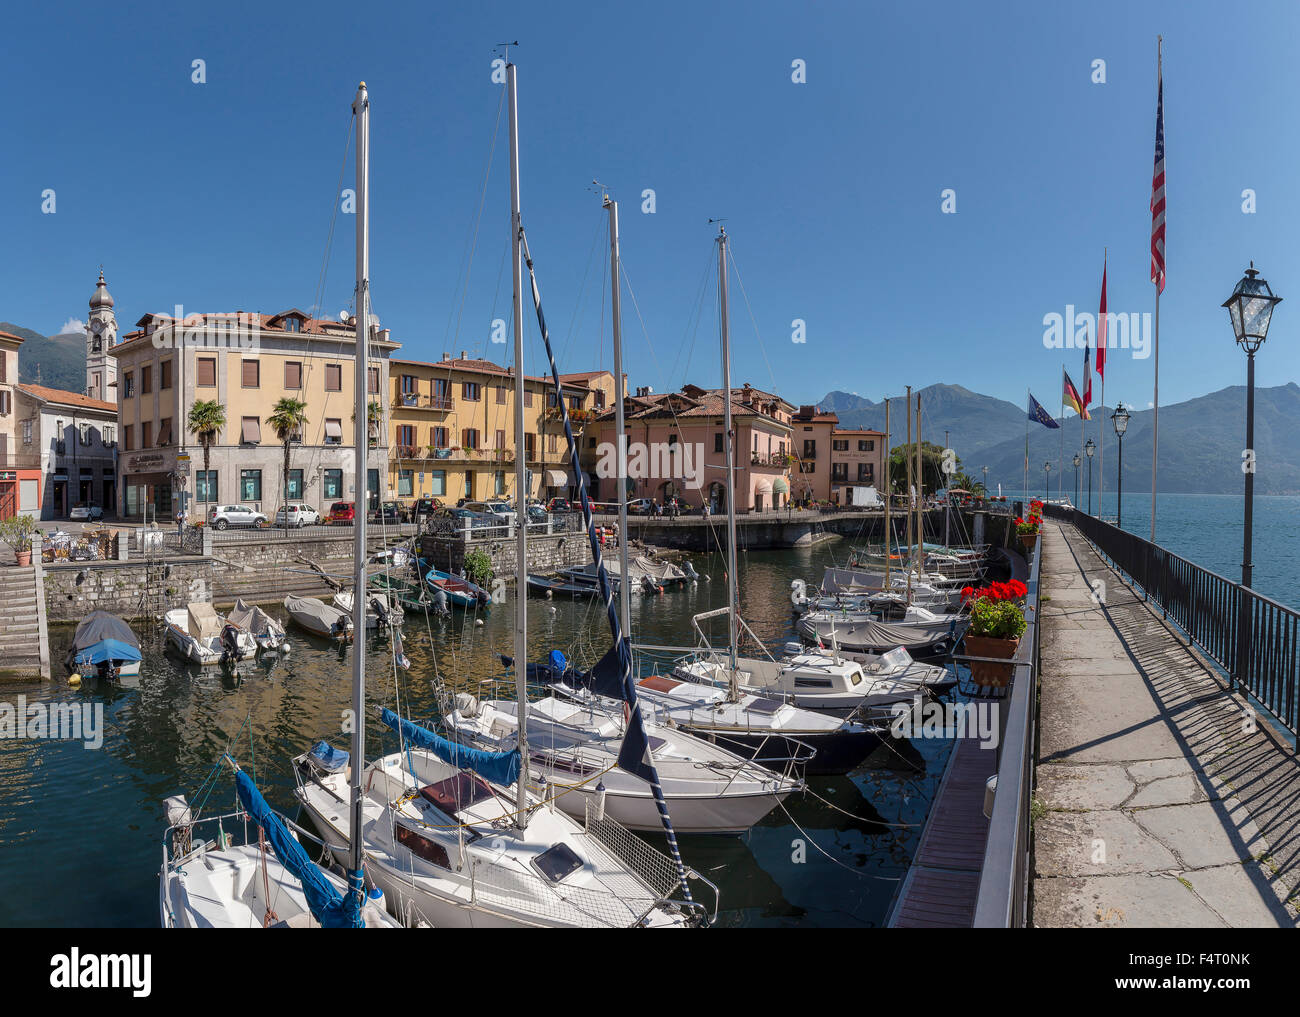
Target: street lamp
{"type": "Point", "coordinates": [1119, 419]}
{"type": "Point", "coordinates": [1047, 469]}
{"type": "Point", "coordinates": [1250, 308]}
{"type": "Point", "coordinates": [1090, 449]}
{"type": "Point", "coordinates": [986, 480]}
{"type": "Point", "coordinates": [1076, 462]}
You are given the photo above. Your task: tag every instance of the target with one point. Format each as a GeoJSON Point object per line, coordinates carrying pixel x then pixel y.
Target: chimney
{"type": "Point", "coordinates": [464, 355]}
{"type": "Point", "coordinates": [446, 357]}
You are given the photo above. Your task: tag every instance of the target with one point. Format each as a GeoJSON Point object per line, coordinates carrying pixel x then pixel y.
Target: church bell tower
{"type": "Point", "coordinates": [101, 333]}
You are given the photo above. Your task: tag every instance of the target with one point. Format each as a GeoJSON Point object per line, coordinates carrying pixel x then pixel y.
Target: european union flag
{"type": "Point", "coordinates": [1036, 412]}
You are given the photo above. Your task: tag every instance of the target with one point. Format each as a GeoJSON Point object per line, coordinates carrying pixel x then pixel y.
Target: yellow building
{"type": "Point", "coordinates": [451, 429]}
{"type": "Point", "coordinates": [246, 362]}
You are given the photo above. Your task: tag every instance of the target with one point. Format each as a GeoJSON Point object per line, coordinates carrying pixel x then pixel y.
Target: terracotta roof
{"type": "Point", "coordinates": [479, 366]}
{"type": "Point", "coordinates": [681, 404]}
{"type": "Point", "coordinates": [310, 326]}
{"type": "Point", "coordinates": [65, 398]}
{"type": "Point", "coordinates": [857, 430]}
{"type": "Point", "coordinates": [10, 335]}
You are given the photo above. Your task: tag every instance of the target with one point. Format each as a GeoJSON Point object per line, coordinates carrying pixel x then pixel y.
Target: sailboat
{"type": "Point", "coordinates": [459, 832]}
{"type": "Point", "coordinates": [221, 883]}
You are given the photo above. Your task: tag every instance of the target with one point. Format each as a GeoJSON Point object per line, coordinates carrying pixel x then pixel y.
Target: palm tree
{"type": "Point", "coordinates": [206, 419]}
{"type": "Point", "coordinates": [288, 417]}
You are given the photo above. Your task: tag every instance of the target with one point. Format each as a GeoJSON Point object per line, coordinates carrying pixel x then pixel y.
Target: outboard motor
{"type": "Point", "coordinates": [483, 599]}
{"type": "Point", "coordinates": [689, 569]}
{"type": "Point", "coordinates": [380, 610]}
{"type": "Point", "coordinates": [440, 607]}
{"type": "Point", "coordinates": [798, 594]}
{"type": "Point", "coordinates": [229, 644]}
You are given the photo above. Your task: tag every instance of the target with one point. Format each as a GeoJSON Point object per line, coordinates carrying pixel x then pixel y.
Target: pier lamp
{"type": "Point", "coordinates": [1090, 450]}
{"type": "Point", "coordinates": [1119, 419]}
{"type": "Point", "coordinates": [986, 480]}
{"type": "Point", "coordinates": [1077, 461]}
{"type": "Point", "coordinates": [1047, 470]}
{"type": "Point", "coordinates": [1251, 310]}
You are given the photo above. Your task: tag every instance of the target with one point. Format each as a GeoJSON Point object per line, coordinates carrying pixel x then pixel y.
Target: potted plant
{"type": "Point", "coordinates": [17, 531]}
{"type": "Point", "coordinates": [997, 623]}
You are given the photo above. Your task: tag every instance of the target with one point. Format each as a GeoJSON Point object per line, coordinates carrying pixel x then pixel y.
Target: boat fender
{"type": "Point", "coordinates": [600, 802]}
{"type": "Point", "coordinates": [478, 622]}
{"type": "Point", "coordinates": [74, 680]}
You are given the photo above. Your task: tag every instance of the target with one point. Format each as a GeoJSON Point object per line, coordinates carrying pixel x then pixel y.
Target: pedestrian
{"type": "Point", "coordinates": [180, 522]}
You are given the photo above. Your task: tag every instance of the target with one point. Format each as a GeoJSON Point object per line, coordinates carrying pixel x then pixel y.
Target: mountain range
{"type": "Point", "coordinates": [57, 361]}
{"type": "Point", "coordinates": [1201, 439]}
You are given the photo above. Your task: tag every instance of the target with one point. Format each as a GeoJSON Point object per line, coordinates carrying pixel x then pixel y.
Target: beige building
{"type": "Point", "coordinates": [20, 466]}
{"type": "Point", "coordinates": [246, 362]}
{"type": "Point", "coordinates": [830, 460]}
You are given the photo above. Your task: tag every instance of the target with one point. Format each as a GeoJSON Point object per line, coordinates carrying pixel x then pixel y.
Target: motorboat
{"type": "Point", "coordinates": [459, 590]}
{"type": "Point", "coordinates": [919, 631]}
{"type": "Point", "coordinates": [319, 618]}
{"type": "Point", "coordinates": [267, 633]}
{"type": "Point", "coordinates": [202, 636]}
{"type": "Point", "coordinates": [104, 646]}
{"type": "Point", "coordinates": [381, 611]}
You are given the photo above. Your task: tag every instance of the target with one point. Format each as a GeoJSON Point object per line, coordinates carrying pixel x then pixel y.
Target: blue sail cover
{"type": "Point", "coordinates": [498, 767]}
{"type": "Point", "coordinates": [328, 906]}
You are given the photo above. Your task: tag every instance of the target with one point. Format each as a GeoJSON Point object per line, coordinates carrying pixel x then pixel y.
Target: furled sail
{"type": "Point", "coordinates": [329, 907]}
{"type": "Point", "coordinates": [497, 767]}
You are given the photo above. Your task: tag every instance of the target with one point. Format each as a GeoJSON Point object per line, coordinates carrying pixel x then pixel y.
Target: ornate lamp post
{"type": "Point", "coordinates": [1077, 461]}
{"type": "Point", "coordinates": [1250, 308]}
{"type": "Point", "coordinates": [1090, 449]}
{"type": "Point", "coordinates": [1047, 470]}
{"type": "Point", "coordinates": [986, 480]}
{"type": "Point", "coordinates": [1119, 419]}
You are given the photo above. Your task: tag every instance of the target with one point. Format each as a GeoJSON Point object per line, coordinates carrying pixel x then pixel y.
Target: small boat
{"type": "Point", "coordinates": [897, 665]}
{"type": "Point", "coordinates": [408, 594]}
{"type": "Point", "coordinates": [318, 617]}
{"type": "Point", "coordinates": [104, 646]}
{"type": "Point", "coordinates": [267, 633]}
{"type": "Point", "coordinates": [459, 590]}
{"type": "Point", "coordinates": [552, 585]}
{"type": "Point", "coordinates": [919, 631]}
{"type": "Point", "coordinates": [381, 613]}
{"type": "Point", "coordinates": [203, 637]}
{"type": "Point", "coordinates": [644, 574]}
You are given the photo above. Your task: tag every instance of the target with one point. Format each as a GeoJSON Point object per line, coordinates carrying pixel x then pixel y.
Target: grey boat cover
{"type": "Point", "coordinates": [254, 620]}
{"type": "Point", "coordinates": [100, 625]}
{"type": "Point", "coordinates": [314, 614]}
{"type": "Point", "coordinates": [860, 631]}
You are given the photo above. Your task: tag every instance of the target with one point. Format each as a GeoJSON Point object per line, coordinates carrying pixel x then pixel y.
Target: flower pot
{"type": "Point", "coordinates": [1028, 540]}
{"type": "Point", "coordinates": [24, 558]}
{"type": "Point", "coordinates": [986, 673]}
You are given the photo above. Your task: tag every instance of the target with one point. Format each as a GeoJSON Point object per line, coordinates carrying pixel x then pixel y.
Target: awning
{"type": "Point", "coordinates": [60, 478]}
{"type": "Point", "coordinates": [557, 478]}
{"type": "Point", "coordinates": [333, 429]}
{"type": "Point", "coordinates": [763, 486]}
{"type": "Point", "coordinates": [252, 431]}
{"type": "Point", "coordinates": [779, 486]}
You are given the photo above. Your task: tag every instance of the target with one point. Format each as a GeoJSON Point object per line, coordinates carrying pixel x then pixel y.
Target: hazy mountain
{"type": "Point", "coordinates": [844, 402]}
{"type": "Point", "coordinates": [57, 361]}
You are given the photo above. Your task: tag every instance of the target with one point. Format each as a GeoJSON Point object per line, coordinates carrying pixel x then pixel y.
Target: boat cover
{"type": "Point", "coordinates": [102, 636]}
{"type": "Point", "coordinates": [203, 621]}
{"type": "Point", "coordinates": [254, 620]}
{"type": "Point", "coordinates": [309, 609]}
{"type": "Point", "coordinates": [870, 632]}
{"type": "Point", "coordinates": [498, 767]}
{"type": "Point", "coordinates": [329, 907]}
{"type": "Point", "coordinates": [327, 757]}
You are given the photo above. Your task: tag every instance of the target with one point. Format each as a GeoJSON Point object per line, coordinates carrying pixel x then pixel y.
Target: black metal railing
{"type": "Point", "coordinates": [1003, 898]}
{"type": "Point", "coordinates": [1253, 638]}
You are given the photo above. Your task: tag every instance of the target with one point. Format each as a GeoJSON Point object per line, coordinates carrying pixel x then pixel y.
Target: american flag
{"type": "Point", "coordinates": [1158, 192]}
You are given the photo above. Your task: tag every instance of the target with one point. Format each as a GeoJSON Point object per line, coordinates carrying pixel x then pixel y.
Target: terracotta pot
{"type": "Point", "coordinates": [987, 674]}
{"type": "Point", "coordinates": [24, 558]}
{"type": "Point", "coordinates": [1028, 540]}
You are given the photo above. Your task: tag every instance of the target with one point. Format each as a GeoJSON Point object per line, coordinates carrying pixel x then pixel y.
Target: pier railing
{"type": "Point", "coordinates": [1253, 638]}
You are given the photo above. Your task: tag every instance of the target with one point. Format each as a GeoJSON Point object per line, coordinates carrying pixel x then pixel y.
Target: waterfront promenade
{"type": "Point", "coordinates": [1157, 803]}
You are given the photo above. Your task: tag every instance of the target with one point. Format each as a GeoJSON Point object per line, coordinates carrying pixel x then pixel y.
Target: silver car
{"type": "Point", "coordinates": [225, 516]}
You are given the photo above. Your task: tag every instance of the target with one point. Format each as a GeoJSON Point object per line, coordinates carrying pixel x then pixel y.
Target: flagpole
{"type": "Point", "coordinates": [1101, 424]}
{"type": "Point", "coordinates": [1155, 415]}
{"type": "Point", "coordinates": [1062, 459]}
{"type": "Point", "coordinates": [1028, 396]}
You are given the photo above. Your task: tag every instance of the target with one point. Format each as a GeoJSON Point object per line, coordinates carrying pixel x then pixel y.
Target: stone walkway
{"type": "Point", "coordinates": [1157, 806]}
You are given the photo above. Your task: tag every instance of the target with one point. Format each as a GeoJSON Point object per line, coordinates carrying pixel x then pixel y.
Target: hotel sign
{"type": "Point", "coordinates": [147, 462]}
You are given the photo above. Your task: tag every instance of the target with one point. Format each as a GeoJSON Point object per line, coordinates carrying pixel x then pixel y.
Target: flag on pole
{"type": "Point", "coordinates": [1070, 396]}
{"type": "Point", "coordinates": [1101, 327]}
{"type": "Point", "coordinates": [1087, 380]}
{"type": "Point", "coordinates": [1158, 191]}
{"type": "Point", "coordinates": [1036, 412]}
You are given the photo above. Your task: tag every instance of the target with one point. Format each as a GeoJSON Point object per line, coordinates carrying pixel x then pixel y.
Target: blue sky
{"type": "Point", "coordinates": [219, 195]}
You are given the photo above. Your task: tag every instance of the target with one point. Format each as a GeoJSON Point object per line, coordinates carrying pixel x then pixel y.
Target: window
{"type": "Point", "coordinates": [405, 483]}
{"type": "Point", "coordinates": [205, 485]}
{"type": "Point", "coordinates": [27, 432]}
{"type": "Point", "coordinates": [600, 399]}
{"type": "Point", "coordinates": [809, 448]}
{"type": "Point", "coordinates": [166, 380]}
{"type": "Point", "coordinates": [252, 374]}
{"type": "Point", "coordinates": [440, 437]}
{"type": "Point", "coordinates": [552, 443]}
{"type": "Point", "coordinates": [410, 386]}
{"type": "Point", "coordinates": [250, 431]}
{"type": "Point", "coordinates": [839, 444]}
{"type": "Point", "coordinates": [333, 431]}
{"type": "Point", "coordinates": [470, 390]}
{"type": "Point", "coordinates": [165, 431]}
{"type": "Point", "coordinates": [146, 434]}
{"type": "Point", "coordinates": [530, 445]}
{"type": "Point", "coordinates": [332, 484]}
{"type": "Point", "coordinates": [439, 478]}
{"type": "Point", "coordinates": [372, 379]}
{"type": "Point", "coordinates": [250, 485]}
{"type": "Point", "coordinates": [406, 436]}
{"type": "Point", "coordinates": [867, 472]}
{"type": "Point", "coordinates": [441, 388]}
{"type": "Point", "coordinates": [528, 398]}
{"type": "Point", "coordinates": [83, 432]}
{"type": "Point", "coordinates": [501, 439]}
{"type": "Point", "coordinates": [499, 487]}
{"type": "Point", "coordinates": [333, 377]}
{"type": "Point", "coordinates": [718, 445]}
{"type": "Point", "coordinates": [291, 324]}
{"type": "Point", "coordinates": [110, 434]}
{"type": "Point", "coordinates": [293, 373]}
{"type": "Point", "coordinates": [501, 395]}
{"type": "Point", "coordinates": [866, 446]}
{"type": "Point", "coordinates": [469, 484]}
{"type": "Point", "coordinates": [205, 369]}
{"type": "Point", "coordinates": [469, 437]}
{"type": "Point", "coordinates": [806, 466]}
{"type": "Point", "coordinates": [126, 438]}
{"type": "Point", "coordinates": [839, 471]}
{"type": "Point", "coordinates": [551, 401]}
{"type": "Point", "coordinates": [575, 403]}
{"type": "Point", "coordinates": [146, 379]}
{"type": "Point", "coordinates": [295, 485]}
{"type": "Point", "coordinates": [128, 384]}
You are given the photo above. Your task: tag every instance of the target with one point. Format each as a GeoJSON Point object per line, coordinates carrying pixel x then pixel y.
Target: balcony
{"type": "Point", "coordinates": [777, 459]}
{"type": "Point", "coordinates": [415, 401]}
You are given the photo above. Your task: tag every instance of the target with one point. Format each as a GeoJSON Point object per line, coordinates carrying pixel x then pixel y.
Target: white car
{"type": "Point", "coordinates": [85, 510]}
{"type": "Point", "coordinates": [224, 516]}
{"type": "Point", "coordinates": [299, 514]}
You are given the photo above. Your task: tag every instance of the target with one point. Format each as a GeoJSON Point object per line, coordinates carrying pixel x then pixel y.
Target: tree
{"type": "Point", "coordinates": [933, 477]}
{"type": "Point", "coordinates": [206, 419]}
{"type": "Point", "coordinates": [287, 419]}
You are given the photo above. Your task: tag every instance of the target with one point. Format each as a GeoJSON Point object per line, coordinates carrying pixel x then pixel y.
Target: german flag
{"type": "Point", "coordinates": [1070, 396]}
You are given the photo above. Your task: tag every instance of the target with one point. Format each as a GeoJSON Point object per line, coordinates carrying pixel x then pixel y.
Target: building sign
{"type": "Point", "coordinates": [146, 462]}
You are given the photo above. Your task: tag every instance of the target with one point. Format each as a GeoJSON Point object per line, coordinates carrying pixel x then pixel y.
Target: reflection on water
{"type": "Point", "coordinates": [81, 831]}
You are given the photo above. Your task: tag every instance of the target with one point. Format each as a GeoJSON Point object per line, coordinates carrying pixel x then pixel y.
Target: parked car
{"type": "Point", "coordinates": [225, 516]}
{"type": "Point", "coordinates": [425, 507]}
{"type": "Point", "coordinates": [85, 510]}
{"type": "Point", "coordinates": [342, 512]}
{"type": "Point", "coordinates": [458, 517]}
{"type": "Point", "coordinates": [538, 514]}
{"type": "Point", "coordinates": [298, 513]}
{"type": "Point", "coordinates": [639, 507]}
{"type": "Point", "coordinates": [389, 512]}
{"type": "Point", "coordinates": [561, 505]}
{"type": "Point", "coordinates": [498, 510]}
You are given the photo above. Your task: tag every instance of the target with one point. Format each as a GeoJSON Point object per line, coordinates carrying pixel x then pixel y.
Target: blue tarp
{"type": "Point", "coordinates": [328, 906]}
{"type": "Point", "coordinates": [107, 649]}
{"type": "Point", "coordinates": [498, 767]}
{"type": "Point", "coordinates": [329, 758]}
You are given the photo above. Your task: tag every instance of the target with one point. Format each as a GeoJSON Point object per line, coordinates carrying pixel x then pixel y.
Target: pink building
{"type": "Point", "coordinates": [677, 447]}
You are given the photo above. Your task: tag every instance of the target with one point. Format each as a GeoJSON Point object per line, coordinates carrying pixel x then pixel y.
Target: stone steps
{"type": "Point", "coordinates": [20, 624]}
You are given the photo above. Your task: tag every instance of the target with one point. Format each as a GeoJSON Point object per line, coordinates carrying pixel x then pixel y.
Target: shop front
{"type": "Point", "coordinates": [147, 485]}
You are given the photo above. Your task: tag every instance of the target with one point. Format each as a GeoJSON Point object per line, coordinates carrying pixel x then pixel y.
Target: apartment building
{"type": "Point", "coordinates": [830, 460]}
{"type": "Point", "coordinates": [74, 438]}
{"type": "Point", "coordinates": [246, 362]}
{"type": "Point", "coordinates": [20, 468]}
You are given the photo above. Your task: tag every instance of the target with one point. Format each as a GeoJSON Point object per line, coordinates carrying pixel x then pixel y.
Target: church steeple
{"type": "Point", "coordinates": [101, 333]}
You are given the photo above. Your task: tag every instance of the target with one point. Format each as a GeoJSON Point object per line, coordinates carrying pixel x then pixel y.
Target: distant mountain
{"type": "Point", "coordinates": [844, 402]}
{"type": "Point", "coordinates": [57, 361]}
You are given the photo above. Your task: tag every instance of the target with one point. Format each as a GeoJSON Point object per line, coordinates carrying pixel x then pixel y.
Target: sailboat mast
{"type": "Point", "coordinates": [888, 491]}
{"type": "Point", "coordinates": [521, 475]}
{"type": "Point", "coordinates": [616, 306]}
{"type": "Point", "coordinates": [911, 494]}
{"type": "Point", "coordinates": [732, 611]}
{"type": "Point", "coordinates": [947, 501]}
{"type": "Point", "coordinates": [361, 370]}
{"type": "Point", "coordinates": [920, 492]}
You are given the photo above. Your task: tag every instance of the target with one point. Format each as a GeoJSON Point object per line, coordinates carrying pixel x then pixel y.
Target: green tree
{"type": "Point", "coordinates": [207, 418]}
{"type": "Point", "coordinates": [287, 419]}
{"type": "Point", "coordinates": [932, 475]}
